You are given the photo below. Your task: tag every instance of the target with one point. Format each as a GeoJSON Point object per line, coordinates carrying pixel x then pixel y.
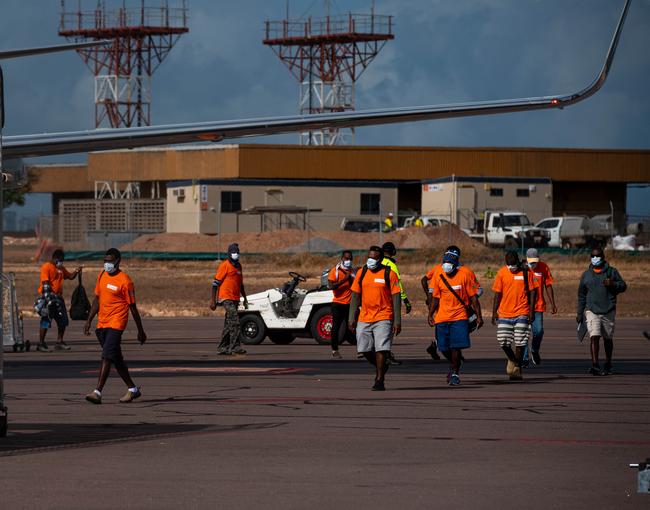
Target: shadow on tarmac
{"type": "Point", "coordinates": [31, 438]}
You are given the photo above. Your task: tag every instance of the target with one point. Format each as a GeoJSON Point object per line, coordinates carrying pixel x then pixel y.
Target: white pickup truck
{"type": "Point", "coordinates": [511, 229]}
{"type": "Point", "coordinates": [576, 231]}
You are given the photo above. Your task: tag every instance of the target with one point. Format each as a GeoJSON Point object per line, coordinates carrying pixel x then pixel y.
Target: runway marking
{"type": "Point", "coordinates": [212, 370]}
{"type": "Point", "coordinates": [542, 440]}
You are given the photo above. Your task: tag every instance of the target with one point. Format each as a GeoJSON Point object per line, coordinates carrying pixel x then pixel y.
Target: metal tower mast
{"type": "Point", "coordinates": [327, 56]}
{"type": "Point", "coordinates": [142, 37]}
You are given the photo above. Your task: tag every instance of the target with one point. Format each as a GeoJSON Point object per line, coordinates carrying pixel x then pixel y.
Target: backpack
{"type": "Point", "coordinates": [79, 304]}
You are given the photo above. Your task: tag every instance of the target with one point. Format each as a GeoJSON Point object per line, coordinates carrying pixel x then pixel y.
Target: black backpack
{"type": "Point", "coordinates": [79, 304]}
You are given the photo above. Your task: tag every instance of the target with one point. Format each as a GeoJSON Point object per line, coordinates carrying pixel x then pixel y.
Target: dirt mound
{"type": "Point", "coordinates": [295, 241]}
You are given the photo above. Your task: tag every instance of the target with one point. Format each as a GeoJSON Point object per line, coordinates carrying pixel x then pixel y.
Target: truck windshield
{"type": "Point", "coordinates": [515, 220]}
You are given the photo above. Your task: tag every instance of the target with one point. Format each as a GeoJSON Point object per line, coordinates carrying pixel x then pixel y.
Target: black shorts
{"type": "Point", "coordinates": [111, 342]}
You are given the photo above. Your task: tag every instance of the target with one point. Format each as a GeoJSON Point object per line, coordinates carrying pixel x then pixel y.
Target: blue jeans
{"type": "Point", "coordinates": [538, 333]}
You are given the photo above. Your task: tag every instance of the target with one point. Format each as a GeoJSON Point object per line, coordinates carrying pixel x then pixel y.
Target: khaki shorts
{"type": "Point", "coordinates": [600, 325]}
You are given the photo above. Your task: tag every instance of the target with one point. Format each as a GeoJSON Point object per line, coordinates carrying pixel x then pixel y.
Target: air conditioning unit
{"type": "Point", "coordinates": [532, 188]}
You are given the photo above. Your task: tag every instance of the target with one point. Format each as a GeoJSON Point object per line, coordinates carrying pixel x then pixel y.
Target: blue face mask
{"type": "Point", "coordinates": [371, 263]}
{"type": "Point", "coordinates": [596, 261]}
{"type": "Point", "coordinates": [347, 264]}
{"type": "Point", "coordinates": [513, 269]}
{"type": "Point", "coordinates": [109, 267]}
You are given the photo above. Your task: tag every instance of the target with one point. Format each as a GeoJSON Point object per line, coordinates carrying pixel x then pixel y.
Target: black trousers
{"type": "Point", "coordinates": [339, 324]}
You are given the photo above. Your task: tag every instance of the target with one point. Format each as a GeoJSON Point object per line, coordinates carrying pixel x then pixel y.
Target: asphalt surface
{"type": "Point", "coordinates": [288, 427]}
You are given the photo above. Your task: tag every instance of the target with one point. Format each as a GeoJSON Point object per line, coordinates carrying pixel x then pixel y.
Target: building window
{"type": "Point", "coordinates": [523, 192]}
{"type": "Point", "coordinates": [370, 203]}
{"type": "Point", "coordinates": [496, 192]}
{"type": "Point", "coordinates": [230, 201]}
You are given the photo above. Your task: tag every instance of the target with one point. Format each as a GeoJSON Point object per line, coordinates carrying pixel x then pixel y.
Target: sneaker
{"type": "Point", "coordinates": [454, 380]}
{"type": "Point", "coordinates": [224, 353]}
{"type": "Point", "coordinates": [536, 358]}
{"type": "Point", "coordinates": [42, 347]}
{"type": "Point", "coordinates": [379, 386]}
{"type": "Point", "coordinates": [336, 355]}
{"type": "Point", "coordinates": [94, 398]}
{"type": "Point", "coordinates": [595, 370]}
{"type": "Point", "coordinates": [62, 346]}
{"type": "Point", "coordinates": [239, 352]}
{"type": "Point", "coordinates": [516, 374]}
{"type": "Point", "coordinates": [130, 396]}
{"type": "Point", "coordinates": [433, 351]}
{"type": "Point", "coordinates": [607, 369]}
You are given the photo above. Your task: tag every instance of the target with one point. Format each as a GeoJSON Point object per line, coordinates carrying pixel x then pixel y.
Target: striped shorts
{"type": "Point", "coordinates": [515, 330]}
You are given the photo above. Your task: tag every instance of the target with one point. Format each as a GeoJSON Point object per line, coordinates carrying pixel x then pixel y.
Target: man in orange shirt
{"type": "Point", "coordinates": [52, 275]}
{"type": "Point", "coordinates": [114, 298]}
{"type": "Point", "coordinates": [451, 292]}
{"type": "Point", "coordinates": [543, 274]}
{"type": "Point", "coordinates": [515, 290]}
{"type": "Point", "coordinates": [228, 288]}
{"type": "Point", "coordinates": [376, 294]}
{"type": "Point", "coordinates": [340, 280]}
{"type": "Point", "coordinates": [436, 271]}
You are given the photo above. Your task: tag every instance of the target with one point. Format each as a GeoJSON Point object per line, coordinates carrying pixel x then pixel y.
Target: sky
{"type": "Point", "coordinates": [444, 51]}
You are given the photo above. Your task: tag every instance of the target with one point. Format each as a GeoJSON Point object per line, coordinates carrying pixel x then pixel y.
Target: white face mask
{"type": "Point", "coordinates": [58, 263]}
{"type": "Point", "coordinates": [596, 261]}
{"type": "Point", "coordinates": [513, 268]}
{"type": "Point", "coordinates": [347, 264]}
{"type": "Point", "coordinates": [448, 267]}
{"type": "Point", "coordinates": [371, 263]}
{"type": "Point", "coordinates": [234, 256]}
{"type": "Point", "coordinates": [109, 267]}
{"type": "Point", "coordinates": [532, 265]}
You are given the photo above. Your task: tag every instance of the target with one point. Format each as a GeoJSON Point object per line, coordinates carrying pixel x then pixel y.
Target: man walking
{"type": "Point", "coordinates": [599, 286]}
{"type": "Point", "coordinates": [376, 292]}
{"type": "Point", "coordinates": [228, 288]}
{"type": "Point", "coordinates": [114, 298]}
{"type": "Point", "coordinates": [451, 293]}
{"type": "Point", "coordinates": [543, 274]}
{"type": "Point", "coordinates": [515, 290]}
{"type": "Point", "coordinates": [389, 260]}
{"type": "Point", "coordinates": [435, 272]}
{"type": "Point", "coordinates": [52, 275]}
{"type": "Point", "coordinates": [340, 280]}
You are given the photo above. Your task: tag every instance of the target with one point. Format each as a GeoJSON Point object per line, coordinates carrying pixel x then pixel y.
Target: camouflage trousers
{"type": "Point", "coordinates": [230, 339]}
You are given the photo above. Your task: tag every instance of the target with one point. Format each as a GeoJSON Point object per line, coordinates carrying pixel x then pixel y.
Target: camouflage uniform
{"type": "Point", "coordinates": [230, 339]}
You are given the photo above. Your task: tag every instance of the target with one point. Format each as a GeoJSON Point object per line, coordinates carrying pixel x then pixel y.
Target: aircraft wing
{"type": "Point", "coordinates": [108, 139]}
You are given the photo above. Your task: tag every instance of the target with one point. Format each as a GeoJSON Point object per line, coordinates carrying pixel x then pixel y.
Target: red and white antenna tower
{"type": "Point", "coordinates": [142, 37]}
{"type": "Point", "coordinates": [327, 56]}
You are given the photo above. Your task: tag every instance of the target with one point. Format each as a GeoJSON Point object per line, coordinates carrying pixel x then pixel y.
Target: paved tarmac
{"type": "Point", "coordinates": [288, 427]}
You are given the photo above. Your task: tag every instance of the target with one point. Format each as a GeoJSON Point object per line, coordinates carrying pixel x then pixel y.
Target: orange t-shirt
{"type": "Point", "coordinates": [545, 278]}
{"type": "Point", "coordinates": [115, 293]}
{"type": "Point", "coordinates": [514, 302]}
{"type": "Point", "coordinates": [436, 271]}
{"type": "Point", "coordinates": [54, 275]}
{"type": "Point", "coordinates": [376, 299]}
{"type": "Point", "coordinates": [449, 308]}
{"type": "Point", "coordinates": [231, 280]}
{"type": "Point", "coordinates": [343, 293]}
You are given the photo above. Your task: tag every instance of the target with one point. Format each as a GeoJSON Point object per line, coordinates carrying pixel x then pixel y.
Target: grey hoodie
{"type": "Point", "coordinates": [594, 296]}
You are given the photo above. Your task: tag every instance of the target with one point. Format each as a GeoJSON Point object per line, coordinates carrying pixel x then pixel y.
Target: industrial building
{"type": "Point", "coordinates": [209, 189]}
